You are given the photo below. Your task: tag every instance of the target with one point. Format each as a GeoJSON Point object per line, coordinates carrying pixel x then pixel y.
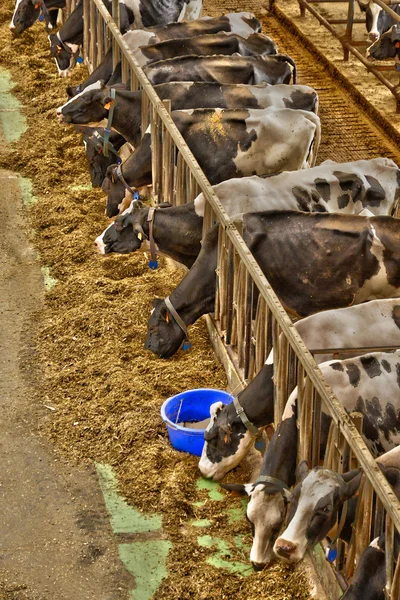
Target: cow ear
{"type": "Point", "coordinates": [214, 408]}
{"type": "Point", "coordinates": [269, 430]}
{"type": "Point", "coordinates": [363, 5]}
{"type": "Point", "coordinates": [352, 484]}
{"type": "Point", "coordinates": [156, 302]}
{"type": "Point", "coordinates": [138, 229]}
{"type": "Point", "coordinates": [122, 222]}
{"type": "Point", "coordinates": [238, 489]}
{"type": "Point", "coordinates": [287, 494]}
{"type": "Point", "coordinates": [107, 102]}
{"type": "Point", "coordinates": [395, 34]}
{"type": "Point", "coordinates": [302, 470]}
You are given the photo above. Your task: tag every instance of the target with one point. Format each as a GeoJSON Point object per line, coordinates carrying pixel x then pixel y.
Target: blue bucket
{"type": "Point", "coordinates": [190, 406]}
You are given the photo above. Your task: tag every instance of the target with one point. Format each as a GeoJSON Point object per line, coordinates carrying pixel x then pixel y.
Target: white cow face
{"type": "Point", "coordinates": [316, 501]}
{"type": "Point", "coordinates": [266, 512]}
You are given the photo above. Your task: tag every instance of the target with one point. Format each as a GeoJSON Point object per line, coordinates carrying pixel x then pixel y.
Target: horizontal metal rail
{"type": "Point", "coordinates": [249, 315]}
{"type": "Point", "coordinates": [349, 45]}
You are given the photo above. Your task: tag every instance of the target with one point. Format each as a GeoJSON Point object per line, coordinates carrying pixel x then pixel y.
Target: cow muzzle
{"type": "Point", "coordinates": [258, 566]}
{"type": "Point", "coordinates": [373, 36]}
{"type": "Point", "coordinates": [285, 549]}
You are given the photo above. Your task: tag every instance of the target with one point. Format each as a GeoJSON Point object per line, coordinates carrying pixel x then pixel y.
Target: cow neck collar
{"type": "Point", "coordinates": [281, 485]}
{"type": "Point", "coordinates": [118, 173]}
{"type": "Point", "coordinates": [63, 44]}
{"type": "Point", "coordinates": [240, 412]}
{"type": "Point", "coordinates": [107, 130]}
{"type": "Point", "coordinates": [342, 522]}
{"type": "Point", "coordinates": [43, 10]}
{"type": "Point", "coordinates": [110, 146]}
{"type": "Point", "coordinates": [187, 343]}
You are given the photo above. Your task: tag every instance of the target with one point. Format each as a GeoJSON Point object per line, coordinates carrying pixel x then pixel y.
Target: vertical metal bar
{"type": "Point", "coordinates": [248, 319]}
{"type": "Point", "coordinates": [116, 13]}
{"type": "Point", "coordinates": [124, 69]}
{"type": "Point", "coordinates": [389, 542]}
{"type": "Point", "coordinates": [86, 20]}
{"type": "Point", "coordinates": [316, 429]}
{"type": "Point", "coordinates": [93, 36]}
{"type": "Point", "coordinates": [100, 39]}
{"type": "Point", "coordinates": [349, 29]}
{"type": "Point", "coordinates": [229, 294]}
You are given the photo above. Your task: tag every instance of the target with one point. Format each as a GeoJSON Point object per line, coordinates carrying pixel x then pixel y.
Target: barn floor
{"type": "Point", "coordinates": [83, 353]}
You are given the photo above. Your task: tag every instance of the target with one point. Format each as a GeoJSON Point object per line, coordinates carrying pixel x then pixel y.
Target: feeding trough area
{"type": "Point", "coordinates": [187, 415]}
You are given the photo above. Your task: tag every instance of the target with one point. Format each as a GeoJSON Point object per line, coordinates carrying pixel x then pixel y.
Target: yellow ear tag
{"type": "Point", "coordinates": [140, 236]}
{"type": "Point", "coordinates": [167, 317]}
{"type": "Point", "coordinates": [107, 106]}
{"type": "Point", "coordinates": [37, 5]}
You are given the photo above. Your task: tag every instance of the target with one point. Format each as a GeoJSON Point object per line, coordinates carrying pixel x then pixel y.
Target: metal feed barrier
{"type": "Point", "coordinates": [248, 315]}
{"type": "Point", "coordinates": [347, 41]}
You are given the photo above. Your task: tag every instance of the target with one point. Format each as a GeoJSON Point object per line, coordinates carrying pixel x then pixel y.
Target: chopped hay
{"type": "Point", "coordinates": [106, 390]}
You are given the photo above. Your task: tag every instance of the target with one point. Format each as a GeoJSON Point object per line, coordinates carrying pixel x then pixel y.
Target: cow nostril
{"type": "Point", "coordinates": [258, 566]}
{"type": "Point", "coordinates": [373, 37]}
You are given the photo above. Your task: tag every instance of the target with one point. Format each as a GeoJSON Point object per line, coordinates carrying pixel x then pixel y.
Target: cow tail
{"type": "Point", "coordinates": [289, 59]}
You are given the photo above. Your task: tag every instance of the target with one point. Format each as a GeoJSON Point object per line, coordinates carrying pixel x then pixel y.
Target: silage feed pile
{"type": "Point", "coordinates": [105, 388]}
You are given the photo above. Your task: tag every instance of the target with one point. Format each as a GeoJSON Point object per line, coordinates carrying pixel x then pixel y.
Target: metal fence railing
{"type": "Point", "coordinates": [350, 45]}
{"type": "Point", "coordinates": [248, 314]}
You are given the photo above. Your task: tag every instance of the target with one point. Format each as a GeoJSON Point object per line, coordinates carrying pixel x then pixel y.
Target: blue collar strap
{"type": "Point", "coordinates": [107, 130]}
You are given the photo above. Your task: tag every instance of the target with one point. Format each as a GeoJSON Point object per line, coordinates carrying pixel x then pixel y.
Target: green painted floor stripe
{"type": "Point", "coordinates": [146, 561]}
{"type": "Point", "coordinates": [13, 122]}
{"type": "Point", "coordinates": [124, 518]}
{"type": "Point", "coordinates": [48, 280]}
{"type": "Point", "coordinates": [25, 186]}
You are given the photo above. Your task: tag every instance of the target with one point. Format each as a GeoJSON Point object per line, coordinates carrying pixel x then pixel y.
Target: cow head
{"type": "Point", "coordinates": [64, 53]}
{"type": "Point", "coordinates": [164, 336]}
{"type": "Point", "coordinates": [89, 106]}
{"type": "Point", "coordinates": [377, 20]}
{"type": "Point", "coordinates": [126, 234]}
{"type": "Point", "coordinates": [314, 508]}
{"type": "Point", "coordinates": [266, 512]}
{"type": "Point", "coordinates": [227, 441]}
{"type": "Point", "coordinates": [25, 14]}
{"type": "Point", "coordinates": [115, 190]}
{"type": "Point", "coordinates": [387, 46]}
{"type": "Point", "coordinates": [97, 162]}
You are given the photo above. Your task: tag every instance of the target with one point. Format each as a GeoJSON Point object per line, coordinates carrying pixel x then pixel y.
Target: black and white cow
{"type": "Point", "coordinates": [243, 24]}
{"type": "Point", "coordinates": [314, 508]}
{"type": "Point", "coordinates": [274, 69]}
{"type": "Point", "coordinates": [206, 45]}
{"type": "Point", "coordinates": [374, 323]}
{"type": "Point", "coordinates": [252, 196]}
{"type": "Point", "coordinates": [90, 105]}
{"type": "Point", "coordinates": [370, 385]}
{"type": "Point", "coordinates": [65, 45]}
{"type": "Point", "coordinates": [93, 141]}
{"type": "Point", "coordinates": [332, 187]}
{"type": "Point", "coordinates": [378, 21]}
{"type": "Point", "coordinates": [369, 580]}
{"type": "Point", "coordinates": [387, 46]}
{"type": "Point", "coordinates": [360, 262]}
{"type": "Point", "coordinates": [227, 439]}
{"type": "Point", "coordinates": [176, 232]}
{"type": "Point", "coordinates": [27, 12]}
{"type": "Point", "coordinates": [226, 144]}
{"type": "Point", "coordinates": [270, 493]}
{"type": "Point", "coordinates": [316, 502]}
